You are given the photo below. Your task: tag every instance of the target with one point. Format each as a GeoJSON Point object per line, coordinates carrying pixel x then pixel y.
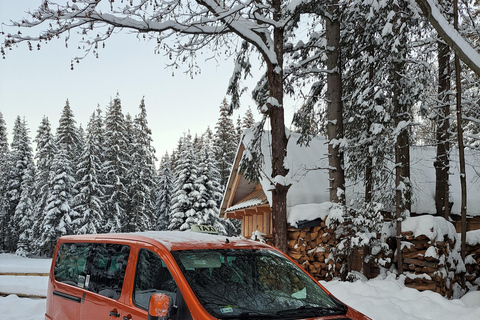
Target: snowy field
{"type": "Point", "coordinates": [381, 299]}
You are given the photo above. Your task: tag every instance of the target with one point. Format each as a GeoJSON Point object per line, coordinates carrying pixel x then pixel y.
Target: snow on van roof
{"type": "Point", "coordinates": [177, 240]}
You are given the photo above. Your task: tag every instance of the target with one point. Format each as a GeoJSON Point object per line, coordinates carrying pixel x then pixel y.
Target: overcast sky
{"type": "Point", "coordinates": [36, 83]}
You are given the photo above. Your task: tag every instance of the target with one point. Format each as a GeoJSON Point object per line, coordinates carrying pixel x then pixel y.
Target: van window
{"type": "Point", "coordinates": [98, 267]}
{"type": "Point", "coordinates": [107, 269]}
{"type": "Point", "coordinates": [71, 263]}
{"type": "Point", "coordinates": [152, 276]}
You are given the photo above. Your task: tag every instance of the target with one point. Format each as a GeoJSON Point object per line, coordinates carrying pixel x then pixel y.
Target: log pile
{"type": "Point", "coordinates": [472, 265]}
{"type": "Point", "coordinates": [426, 263]}
{"type": "Point", "coordinates": [311, 247]}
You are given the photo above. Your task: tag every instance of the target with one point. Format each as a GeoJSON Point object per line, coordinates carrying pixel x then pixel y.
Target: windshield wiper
{"type": "Point", "coordinates": [249, 315]}
{"type": "Point", "coordinates": [311, 311]}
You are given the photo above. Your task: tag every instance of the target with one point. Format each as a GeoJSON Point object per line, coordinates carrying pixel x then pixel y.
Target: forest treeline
{"type": "Point", "coordinates": [104, 179]}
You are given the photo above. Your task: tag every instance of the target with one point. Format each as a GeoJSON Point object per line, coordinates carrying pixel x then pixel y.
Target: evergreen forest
{"type": "Point", "coordinates": [107, 178]}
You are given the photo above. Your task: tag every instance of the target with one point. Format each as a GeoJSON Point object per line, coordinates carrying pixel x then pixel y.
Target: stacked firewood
{"type": "Point", "coordinates": [311, 247]}
{"type": "Point", "coordinates": [472, 264]}
{"type": "Point", "coordinates": [426, 263]}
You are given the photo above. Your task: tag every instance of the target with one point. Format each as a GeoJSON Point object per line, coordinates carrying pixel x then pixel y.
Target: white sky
{"type": "Point", "coordinates": [37, 83]}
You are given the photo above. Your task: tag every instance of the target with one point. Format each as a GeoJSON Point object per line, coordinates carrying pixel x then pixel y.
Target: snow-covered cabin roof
{"type": "Point", "coordinates": [308, 176]}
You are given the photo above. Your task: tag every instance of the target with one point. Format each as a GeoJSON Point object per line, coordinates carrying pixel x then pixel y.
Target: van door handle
{"type": "Point", "coordinates": [114, 313]}
{"type": "Point", "coordinates": [129, 317]}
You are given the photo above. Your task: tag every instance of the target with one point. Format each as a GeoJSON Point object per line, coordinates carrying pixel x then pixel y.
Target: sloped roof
{"type": "Point", "coordinates": [255, 198]}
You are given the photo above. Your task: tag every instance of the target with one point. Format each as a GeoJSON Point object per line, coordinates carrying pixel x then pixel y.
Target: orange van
{"type": "Point", "coordinates": [182, 276]}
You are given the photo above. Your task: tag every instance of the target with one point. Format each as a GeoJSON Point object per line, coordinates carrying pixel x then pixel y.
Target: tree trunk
{"type": "Point", "coordinates": [369, 160]}
{"type": "Point", "coordinates": [443, 133]}
{"type": "Point", "coordinates": [461, 151]}
{"type": "Point", "coordinates": [279, 139]}
{"type": "Point", "coordinates": [335, 106]}
{"type": "Point", "coordinates": [402, 146]}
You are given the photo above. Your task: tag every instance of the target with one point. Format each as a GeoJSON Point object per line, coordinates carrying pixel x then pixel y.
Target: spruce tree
{"type": "Point", "coordinates": [208, 185]}
{"type": "Point", "coordinates": [58, 212]}
{"type": "Point", "coordinates": [117, 160]}
{"type": "Point", "coordinates": [164, 193]}
{"type": "Point", "coordinates": [25, 215]}
{"type": "Point", "coordinates": [225, 143]}
{"type": "Point", "coordinates": [44, 155]}
{"type": "Point", "coordinates": [88, 201]}
{"type": "Point", "coordinates": [142, 174]}
{"type": "Point", "coordinates": [248, 120]}
{"type": "Point", "coordinates": [182, 211]}
{"type": "Point", "coordinates": [20, 160]}
{"type": "Point", "coordinates": [68, 136]}
{"type": "Point", "coordinates": [4, 158]}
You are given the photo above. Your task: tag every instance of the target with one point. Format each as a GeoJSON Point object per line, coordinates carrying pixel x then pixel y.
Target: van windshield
{"type": "Point", "coordinates": [243, 283]}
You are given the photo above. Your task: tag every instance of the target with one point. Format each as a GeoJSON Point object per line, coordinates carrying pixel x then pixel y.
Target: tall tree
{"type": "Point", "coordinates": [208, 186]}
{"type": "Point", "coordinates": [4, 158]}
{"type": "Point", "coordinates": [117, 160]}
{"type": "Point", "coordinates": [442, 120]}
{"type": "Point", "coordinates": [248, 119]}
{"type": "Point", "coordinates": [334, 104]}
{"type": "Point", "coordinates": [88, 201]}
{"type": "Point", "coordinates": [402, 104]}
{"type": "Point", "coordinates": [225, 143]}
{"type": "Point", "coordinates": [182, 211]}
{"type": "Point", "coordinates": [143, 173]}
{"type": "Point", "coordinates": [44, 155]}
{"type": "Point", "coordinates": [164, 193]}
{"type": "Point", "coordinates": [58, 212]}
{"type": "Point", "coordinates": [20, 160]}
{"type": "Point", "coordinates": [24, 213]}
{"type": "Point", "coordinates": [68, 135]}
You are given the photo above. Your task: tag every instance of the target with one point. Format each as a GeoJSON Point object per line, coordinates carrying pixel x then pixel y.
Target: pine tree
{"type": "Point", "coordinates": [88, 201]}
{"type": "Point", "coordinates": [142, 174]}
{"type": "Point", "coordinates": [24, 213]}
{"type": "Point", "coordinates": [4, 158]}
{"type": "Point", "coordinates": [20, 160]}
{"type": "Point", "coordinates": [248, 120]}
{"type": "Point", "coordinates": [58, 212]}
{"type": "Point", "coordinates": [208, 185]}
{"type": "Point", "coordinates": [182, 211]}
{"type": "Point", "coordinates": [164, 193]}
{"type": "Point", "coordinates": [225, 143]}
{"type": "Point", "coordinates": [45, 153]}
{"type": "Point", "coordinates": [68, 136]}
{"type": "Point", "coordinates": [117, 160]}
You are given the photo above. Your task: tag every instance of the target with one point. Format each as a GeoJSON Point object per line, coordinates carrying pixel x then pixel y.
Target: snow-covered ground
{"type": "Point", "coordinates": [381, 299]}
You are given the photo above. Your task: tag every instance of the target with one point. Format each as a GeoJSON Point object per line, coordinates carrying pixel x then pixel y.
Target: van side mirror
{"type": "Point", "coordinates": [159, 307]}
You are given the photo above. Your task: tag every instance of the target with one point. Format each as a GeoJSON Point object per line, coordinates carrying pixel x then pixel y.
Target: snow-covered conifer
{"type": "Point", "coordinates": [44, 155]}
{"type": "Point", "coordinates": [164, 193]}
{"type": "Point", "coordinates": [24, 213]}
{"type": "Point", "coordinates": [20, 160]}
{"type": "Point", "coordinates": [142, 175]}
{"type": "Point", "coordinates": [58, 212]}
{"type": "Point", "coordinates": [4, 158]}
{"type": "Point", "coordinates": [184, 193]}
{"type": "Point", "coordinates": [225, 143]}
{"type": "Point", "coordinates": [90, 192]}
{"type": "Point", "coordinates": [117, 160]}
{"type": "Point", "coordinates": [68, 136]}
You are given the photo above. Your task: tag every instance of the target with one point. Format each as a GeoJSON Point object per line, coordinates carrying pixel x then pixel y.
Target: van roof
{"type": "Point", "coordinates": [176, 240]}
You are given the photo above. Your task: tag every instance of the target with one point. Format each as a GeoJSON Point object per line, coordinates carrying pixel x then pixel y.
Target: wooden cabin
{"type": "Point", "coordinates": [250, 202]}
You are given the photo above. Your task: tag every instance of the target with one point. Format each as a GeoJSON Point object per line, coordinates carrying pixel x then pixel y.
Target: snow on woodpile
{"type": "Point", "coordinates": [430, 253]}
{"type": "Point", "coordinates": [472, 260]}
